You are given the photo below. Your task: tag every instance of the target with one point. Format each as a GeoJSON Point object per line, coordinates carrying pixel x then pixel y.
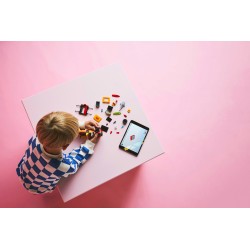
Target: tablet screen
{"type": "Point", "coordinates": [134, 137]}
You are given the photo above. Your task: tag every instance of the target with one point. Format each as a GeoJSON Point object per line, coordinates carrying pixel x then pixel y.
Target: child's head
{"type": "Point", "coordinates": [57, 129]}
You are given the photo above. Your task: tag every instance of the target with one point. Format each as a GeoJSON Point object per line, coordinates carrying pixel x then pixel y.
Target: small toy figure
{"type": "Point", "coordinates": [122, 105]}
{"type": "Point", "coordinates": [83, 109]}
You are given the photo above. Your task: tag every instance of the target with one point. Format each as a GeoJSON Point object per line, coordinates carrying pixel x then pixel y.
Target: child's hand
{"type": "Point", "coordinates": [91, 125]}
{"type": "Point", "coordinates": [96, 138]}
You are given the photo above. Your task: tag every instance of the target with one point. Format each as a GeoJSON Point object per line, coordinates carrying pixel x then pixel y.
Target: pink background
{"type": "Point", "coordinates": [196, 96]}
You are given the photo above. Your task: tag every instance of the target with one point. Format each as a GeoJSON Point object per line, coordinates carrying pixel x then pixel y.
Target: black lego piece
{"type": "Point", "coordinates": [104, 129]}
{"type": "Point", "coordinates": [124, 122]}
{"type": "Point", "coordinates": [109, 119]}
{"type": "Point", "coordinates": [110, 108]}
{"type": "Point", "coordinates": [98, 131]}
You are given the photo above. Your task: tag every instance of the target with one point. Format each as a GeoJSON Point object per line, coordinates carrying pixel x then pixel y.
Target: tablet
{"type": "Point", "coordinates": [134, 138]}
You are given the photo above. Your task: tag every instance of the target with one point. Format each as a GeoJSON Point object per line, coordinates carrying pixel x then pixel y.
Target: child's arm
{"type": "Point", "coordinates": [71, 162]}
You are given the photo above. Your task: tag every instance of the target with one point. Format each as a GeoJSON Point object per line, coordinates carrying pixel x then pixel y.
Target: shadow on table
{"type": "Point", "coordinates": [114, 193]}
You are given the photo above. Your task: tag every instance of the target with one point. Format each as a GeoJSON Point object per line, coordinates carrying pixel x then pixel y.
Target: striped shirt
{"type": "Point", "coordinates": [40, 171]}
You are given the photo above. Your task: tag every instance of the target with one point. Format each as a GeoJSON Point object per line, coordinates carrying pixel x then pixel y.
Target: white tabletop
{"type": "Point", "coordinates": [108, 161]}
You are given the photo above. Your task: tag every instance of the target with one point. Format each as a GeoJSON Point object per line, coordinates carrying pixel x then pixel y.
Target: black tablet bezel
{"type": "Point", "coordinates": [128, 150]}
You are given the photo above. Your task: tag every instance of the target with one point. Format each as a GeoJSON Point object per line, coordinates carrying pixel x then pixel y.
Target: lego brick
{"type": "Point", "coordinates": [109, 119]}
{"type": "Point", "coordinates": [106, 99]}
{"type": "Point", "coordinates": [109, 110]}
{"type": "Point", "coordinates": [104, 129]}
{"type": "Point", "coordinates": [97, 104]}
{"type": "Point", "coordinates": [97, 118]}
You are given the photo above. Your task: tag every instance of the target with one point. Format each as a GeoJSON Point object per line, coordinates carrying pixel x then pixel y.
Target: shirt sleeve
{"type": "Point", "coordinates": [19, 169]}
{"type": "Point", "coordinates": [71, 162]}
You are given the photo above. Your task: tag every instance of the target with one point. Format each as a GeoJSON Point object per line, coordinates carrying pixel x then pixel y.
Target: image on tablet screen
{"type": "Point", "coordinates": [134, 138]}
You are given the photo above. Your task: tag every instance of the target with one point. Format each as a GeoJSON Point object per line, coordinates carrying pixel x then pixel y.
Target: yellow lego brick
{"type": "Point", "coordinates": [97, 118]}
{"type": "Point", "coordinates": [106, 99]}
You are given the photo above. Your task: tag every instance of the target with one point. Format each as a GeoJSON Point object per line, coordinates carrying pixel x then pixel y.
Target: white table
{"type": "Point", "coordinates": [108, 160]}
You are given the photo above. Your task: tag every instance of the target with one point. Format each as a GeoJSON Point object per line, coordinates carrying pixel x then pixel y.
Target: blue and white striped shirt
{"type": "Point", "coordinates": [40, 172]}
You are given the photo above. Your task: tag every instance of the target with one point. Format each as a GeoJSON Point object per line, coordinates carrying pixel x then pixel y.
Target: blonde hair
{"type": "Point", "coordinates": [57, 129]}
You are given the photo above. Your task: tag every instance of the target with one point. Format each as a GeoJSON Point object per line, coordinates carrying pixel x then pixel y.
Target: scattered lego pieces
{"type": "Point", "coordinates": [109, 110]}
{"type": "Point", "coordinates": [106, 99]}
{"type": "Point", "coordinates": [84, 108]}
{"type": "Point", "coordinates": [108, 119]}
{"type": "Point", "coordinates": [122, 105]}
{"type": "Point", "coordinates": [104, 129]}
{"type": "Point", "coordinates": [97, 118]}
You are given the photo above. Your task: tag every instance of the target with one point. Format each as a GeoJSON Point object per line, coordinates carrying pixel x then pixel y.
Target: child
{"type": "Point", "coordinates": [44, 163]}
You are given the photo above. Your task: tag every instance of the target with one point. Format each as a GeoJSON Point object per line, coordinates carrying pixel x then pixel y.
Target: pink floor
{"type": "Point", "coordinates": [196, 95]}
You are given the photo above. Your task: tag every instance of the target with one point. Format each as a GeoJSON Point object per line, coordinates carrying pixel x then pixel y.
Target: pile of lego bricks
{"type": "Point", "coordinates": [107, 116]}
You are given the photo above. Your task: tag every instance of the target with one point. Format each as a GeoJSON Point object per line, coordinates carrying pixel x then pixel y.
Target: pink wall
{"type": "Point", "coordinates": [196, 95]}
